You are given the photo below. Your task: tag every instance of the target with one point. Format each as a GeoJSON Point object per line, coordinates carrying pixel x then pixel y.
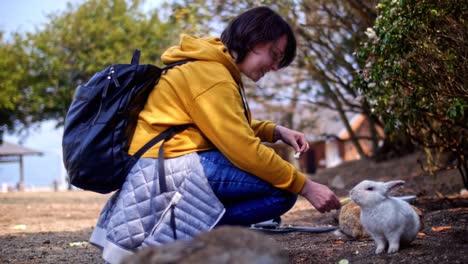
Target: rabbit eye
{"type": "Point", "coordinates": [370, 188]}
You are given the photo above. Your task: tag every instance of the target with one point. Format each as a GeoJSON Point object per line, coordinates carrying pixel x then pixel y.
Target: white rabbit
{"type": "Point", "coordinates": [388, 220]}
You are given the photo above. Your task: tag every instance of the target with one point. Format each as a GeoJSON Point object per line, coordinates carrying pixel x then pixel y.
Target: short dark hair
{"type": "Point", "coordinates": [255, 26]}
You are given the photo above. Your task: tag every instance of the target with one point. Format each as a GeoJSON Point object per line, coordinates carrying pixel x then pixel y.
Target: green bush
{"type": "Point", "coordinates": [416, 70]}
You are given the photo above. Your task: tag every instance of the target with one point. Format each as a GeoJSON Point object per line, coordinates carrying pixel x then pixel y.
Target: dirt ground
{"type": "Point", "coordinates": [54, 227]}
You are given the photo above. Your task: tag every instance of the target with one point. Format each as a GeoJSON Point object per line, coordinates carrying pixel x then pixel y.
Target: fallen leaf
{"type": "Point", "coordinates": [441, 228]}
{"type": "Point", "coordinates": [338, 242]}
{"type": "Point", "coordinates": [20, 227]}
{"type": "Point", "coordinates": [421, 234]}
{"type": "Point", "coordinates": [439, 195]}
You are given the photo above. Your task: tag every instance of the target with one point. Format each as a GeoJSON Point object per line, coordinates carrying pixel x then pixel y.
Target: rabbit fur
{"type": "Point", "coordinates": [349, 221]}
{"type": "Point", "coordinates": [389, 221]}
{"type": "Point", "coordinates": [225, 244]}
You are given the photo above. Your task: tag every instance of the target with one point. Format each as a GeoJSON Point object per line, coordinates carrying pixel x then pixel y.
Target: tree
{"type": "Point", "coordinates": [416, 74]}
{"type": "Point", "coordinates": [13, 82]}
{"type": "Point", "coordinates": [40, 70]}
{"type": "Point", "coordinates": [328, 33]}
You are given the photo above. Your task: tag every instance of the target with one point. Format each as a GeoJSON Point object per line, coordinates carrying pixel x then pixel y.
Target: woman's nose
{"type": "Point", "coordinates": [275, 66]}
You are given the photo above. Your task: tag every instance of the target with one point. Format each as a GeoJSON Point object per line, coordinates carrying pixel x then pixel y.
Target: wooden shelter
{"type": "Point", "coordinates": [10, 152]}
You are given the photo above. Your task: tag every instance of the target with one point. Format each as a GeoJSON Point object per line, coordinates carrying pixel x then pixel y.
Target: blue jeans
{"type": "Point", "coordinates": [247, 198]}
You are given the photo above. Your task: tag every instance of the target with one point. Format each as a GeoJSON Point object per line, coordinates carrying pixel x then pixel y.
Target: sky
{"type": "Point", "coordinates": [39, 171]}
{"type": "Point", "coordinates": [25, 15]}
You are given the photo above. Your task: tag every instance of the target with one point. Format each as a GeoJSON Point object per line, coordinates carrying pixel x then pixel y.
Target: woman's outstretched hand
{"type": "Point", "coordinates": [295, 139]}
{"type": "Point", "coordinates": [320, 196]}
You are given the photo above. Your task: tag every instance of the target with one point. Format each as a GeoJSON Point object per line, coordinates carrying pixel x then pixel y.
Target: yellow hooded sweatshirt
{"type": "Point", "coordinates": [208, 95]}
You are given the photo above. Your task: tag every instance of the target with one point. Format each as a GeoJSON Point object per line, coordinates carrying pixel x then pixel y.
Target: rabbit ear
{"type": "Point", "coordinates": [393, 184]}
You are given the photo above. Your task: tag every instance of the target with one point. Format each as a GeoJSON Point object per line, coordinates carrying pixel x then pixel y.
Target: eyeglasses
{"type": "Point", "coordinates": [275, 54]}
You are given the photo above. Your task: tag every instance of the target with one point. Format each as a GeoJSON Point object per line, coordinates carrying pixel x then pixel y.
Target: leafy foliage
{"type": "Point", "coordinates": [416, 72]}
{"type": "Point", "coordinates": [40, 71]}
{"type": "Point", "coordinates": [14, 83]}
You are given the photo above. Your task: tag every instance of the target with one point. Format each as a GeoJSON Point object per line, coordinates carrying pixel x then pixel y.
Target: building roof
{"type": "Point", "coordinates": [11, 149]}
{"type": "Point", "coordinates": [328, 122]}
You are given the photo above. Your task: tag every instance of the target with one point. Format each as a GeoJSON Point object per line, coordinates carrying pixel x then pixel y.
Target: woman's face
{"type": "Point", "coordinates": [263, 58]}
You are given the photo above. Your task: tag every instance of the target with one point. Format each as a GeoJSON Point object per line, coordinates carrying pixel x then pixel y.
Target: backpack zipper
{"type": "Point", "coordinates": [110, 77]}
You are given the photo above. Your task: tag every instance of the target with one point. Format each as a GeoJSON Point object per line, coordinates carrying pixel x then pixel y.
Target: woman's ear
{"type": "Point", "coordinates": [234, 55]}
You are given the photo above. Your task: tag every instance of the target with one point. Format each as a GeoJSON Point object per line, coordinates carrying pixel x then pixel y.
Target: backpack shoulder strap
{"type": "Point", "coordinates": [165, 136]}
{"type": "Point", "coordinates": [172, 65]}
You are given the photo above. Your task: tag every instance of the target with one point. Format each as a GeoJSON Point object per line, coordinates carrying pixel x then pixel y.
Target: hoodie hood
{"type": "Point", "coordinates": [203, 49]}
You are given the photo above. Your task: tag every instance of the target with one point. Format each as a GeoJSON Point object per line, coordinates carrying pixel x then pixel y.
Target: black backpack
{"type": "Point", "coordinates": [100, 124]}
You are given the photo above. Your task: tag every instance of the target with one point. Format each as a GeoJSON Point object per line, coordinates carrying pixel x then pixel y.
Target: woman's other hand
{"type": "Point", "coordinates": [293, 138]}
